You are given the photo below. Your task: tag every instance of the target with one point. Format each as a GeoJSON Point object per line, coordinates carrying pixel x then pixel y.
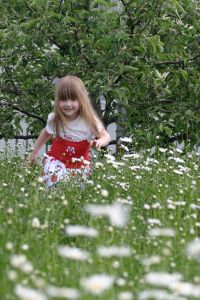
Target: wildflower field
{"type": "Point", "coordinates": [131, 232]}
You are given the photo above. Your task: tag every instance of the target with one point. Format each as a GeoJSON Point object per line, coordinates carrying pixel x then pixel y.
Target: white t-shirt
{"type": "Point", "coordinates": [76, 130]}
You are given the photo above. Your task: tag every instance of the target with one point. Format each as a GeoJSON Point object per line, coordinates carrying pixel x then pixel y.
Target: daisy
{"type": "Point", "coordinates": [77, 230]}
{"type": "Point", "coordinates": [114, 251]}
{"type": "Point", "coordinates": [73, 253]}
{"type": "Point", "coordinates": [26, 293]}
{"type": "Point", "coordinates": [97, 283]}
{"type": "Point", "coordinates": [117, 213]}
{"type": "Point", "coordinates": [62, 292]}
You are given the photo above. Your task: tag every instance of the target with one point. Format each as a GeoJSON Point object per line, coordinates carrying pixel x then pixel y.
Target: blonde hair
{"type": "Point", "coordinates": [72, 87]}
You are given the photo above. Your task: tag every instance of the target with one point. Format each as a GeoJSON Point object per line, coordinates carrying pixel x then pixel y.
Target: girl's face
{"type": "Point", "coordinates": [70, 108]}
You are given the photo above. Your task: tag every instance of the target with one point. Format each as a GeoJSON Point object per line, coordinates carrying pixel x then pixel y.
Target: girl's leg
{"type": "Point", "coordinates": [81, 176]}
{"type": "Point", "coordinates": [53, 171]}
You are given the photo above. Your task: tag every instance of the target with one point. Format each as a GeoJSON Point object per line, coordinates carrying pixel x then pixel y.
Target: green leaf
{"type": "Point", "coordinates": [129, 69]}
{"type": "Point", "coordinates": [167, 130]}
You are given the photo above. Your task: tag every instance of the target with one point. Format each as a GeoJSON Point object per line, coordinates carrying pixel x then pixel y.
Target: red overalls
{"type": "Point", "coordinates": [72, 154]}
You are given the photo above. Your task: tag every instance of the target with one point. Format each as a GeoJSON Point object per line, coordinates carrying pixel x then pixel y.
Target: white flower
{"type": "Point", "coordinates": [154, 221]}
{"type": "Point", "coordinates": [124, 147]}
{"type": "Point", "coordinates": [194, 206]}
{"type": "Point", "coordinates": [162, 278]}
{"type": "Point", "coordinates": [9, 245]}
{"type": "Point", "coordinates": [173, 282]}
{"type": "Point", "coordinates": [156, 232]}
{"type": "Point", "coordinates": [115, 164]}
{"type": "Point", "coordinates": [54, 47]}
{"type": "Point", "coordinates": [97, 283]}
{"type": "Point", "coordinates": [147, 206]}
{"type": "Point", "coordinates": [115, 264]}
{"type": "Point", "coordinates": [178, 172]}
{"type": "Point", "coordinates": [62, 292]}
{"type": "Point", "coordinates": [36, 223]}
{"type": "Point", "coordinates": [17, 260]}
{"type": "Point", "coordinates": [10, 210]}
{"type": "Point", "coordinates": [117, 213]}
{"type": "Point", "coordinates": [135, 168]}
{"type": "Point", "coordinates": [27, 267]}
{"type": "Point", "coordinates": [193, 249]}
{"type": "Point", "coordinates": [114, 251]}
{"type": "Point", "coordinates": [12, 275]}
{"type": "Point", "coordinates": [163, 150]}
{"type": "Point", "coordinates": [109, 157]}
{"type": "Point", "coordinates": [126, 139]}
{"type": "Point", "coordinates": [121, 282]}
{"type": "Point", "coordinates": [99, 165]}
{"type": "Point", "coordinates": [20, 262]}
{"type": "Point", "coordinates": [154, 259]}
{"type": "Point", "coordinates": [158, 295]}
{"type": "Point", "coordinates": [25, 247]}
{"type": "Point", "coordinates": [73, 253]}
{"type": "Point", "coordinates": [26, 293]}
{"type": "Point", "coordinates": [76, 230]}
{"type": "Point", "coordinates": [132, 155]}
{"type": "Point", "coordinates": [177, 159]}
{"type": "Point", "coordinates": [186, 289]}
{"type": "Point", "coordinates": [126, 295]}
{"type": "Point", "coordinates": [40, 179]}
{"type": "Point", "coordinates": [104, 193]}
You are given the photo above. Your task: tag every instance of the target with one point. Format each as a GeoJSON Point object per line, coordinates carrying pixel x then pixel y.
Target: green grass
{"type": "Point", "coordinates": [154, 190]}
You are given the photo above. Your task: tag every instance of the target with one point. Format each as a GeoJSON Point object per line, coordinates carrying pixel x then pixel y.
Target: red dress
{"type": "Point", "coordinates": [73, 154]}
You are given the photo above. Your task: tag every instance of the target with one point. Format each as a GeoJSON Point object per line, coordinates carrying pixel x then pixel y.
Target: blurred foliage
{"type": "Point", "coordinates": [143, 55]}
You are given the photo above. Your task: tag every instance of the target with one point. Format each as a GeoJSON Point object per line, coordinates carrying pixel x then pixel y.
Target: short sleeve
{"type": "Point", "coordinates": [50, 123]}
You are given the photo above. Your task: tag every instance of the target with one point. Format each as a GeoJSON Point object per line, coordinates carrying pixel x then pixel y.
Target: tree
{"type": "Point", "coordinates": [144, 56]}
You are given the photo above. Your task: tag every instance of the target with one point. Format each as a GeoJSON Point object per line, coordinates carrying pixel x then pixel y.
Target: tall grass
{"type": "Point", "coordinates": [161, 195]}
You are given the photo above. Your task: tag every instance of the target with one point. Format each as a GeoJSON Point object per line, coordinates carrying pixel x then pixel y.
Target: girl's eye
{"type": "Point", "coordinates": [65, 100]}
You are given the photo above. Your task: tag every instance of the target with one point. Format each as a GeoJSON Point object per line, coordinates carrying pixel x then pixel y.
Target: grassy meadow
{"type": "Point", "coordinates": [131, 232]}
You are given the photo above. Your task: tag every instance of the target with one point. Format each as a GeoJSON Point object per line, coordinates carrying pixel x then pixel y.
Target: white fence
{"type": "Point", "coordinates": [14, 146]}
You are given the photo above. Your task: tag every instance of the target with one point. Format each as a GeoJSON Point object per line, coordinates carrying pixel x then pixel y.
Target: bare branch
{"type": "Point", "coordinates": [60, 4]}
{"type": "Point", "coordinates": [150, 19]}
{"type": "Point", "coordinates": [9, 91]}
{"type": "Point", "coordinates": [29, 8]}
{"type": "Point", "coordinates": [127, 11]}
{"type": "Point", "coordinates": [29, 114]}
{"type": "Point", "coordinates": [195, 57]}
{"type": "Point", "coordinates": [80, 50]}
{"type": "Point", "coordinates": [17, 90]}
{"type": "Point", "coordinates": [179, 62]}
{"type": "Point", "coordinates": [19, 137]}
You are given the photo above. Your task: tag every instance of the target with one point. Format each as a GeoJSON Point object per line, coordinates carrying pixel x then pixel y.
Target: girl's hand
{"type": "Point", "coordinates": [98, 143]}
{"type": "Point", "coordinates": [101, 141]}
{"type": "Point", "coordinates": [31, 159]}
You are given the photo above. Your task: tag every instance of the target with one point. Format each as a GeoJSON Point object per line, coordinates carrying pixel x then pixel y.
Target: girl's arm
{"type": "Point", "coordinates": [41, 140]}
{"type": "Point", "coordinates": [102, 140]}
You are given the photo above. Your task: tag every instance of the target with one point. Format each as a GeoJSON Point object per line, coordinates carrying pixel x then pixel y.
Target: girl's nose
{"type": "Point", "coordinates": [68, 102]}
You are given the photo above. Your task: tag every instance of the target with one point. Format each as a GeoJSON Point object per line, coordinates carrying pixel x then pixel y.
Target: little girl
{"type": "Point", "coordinates": [74, 127]}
